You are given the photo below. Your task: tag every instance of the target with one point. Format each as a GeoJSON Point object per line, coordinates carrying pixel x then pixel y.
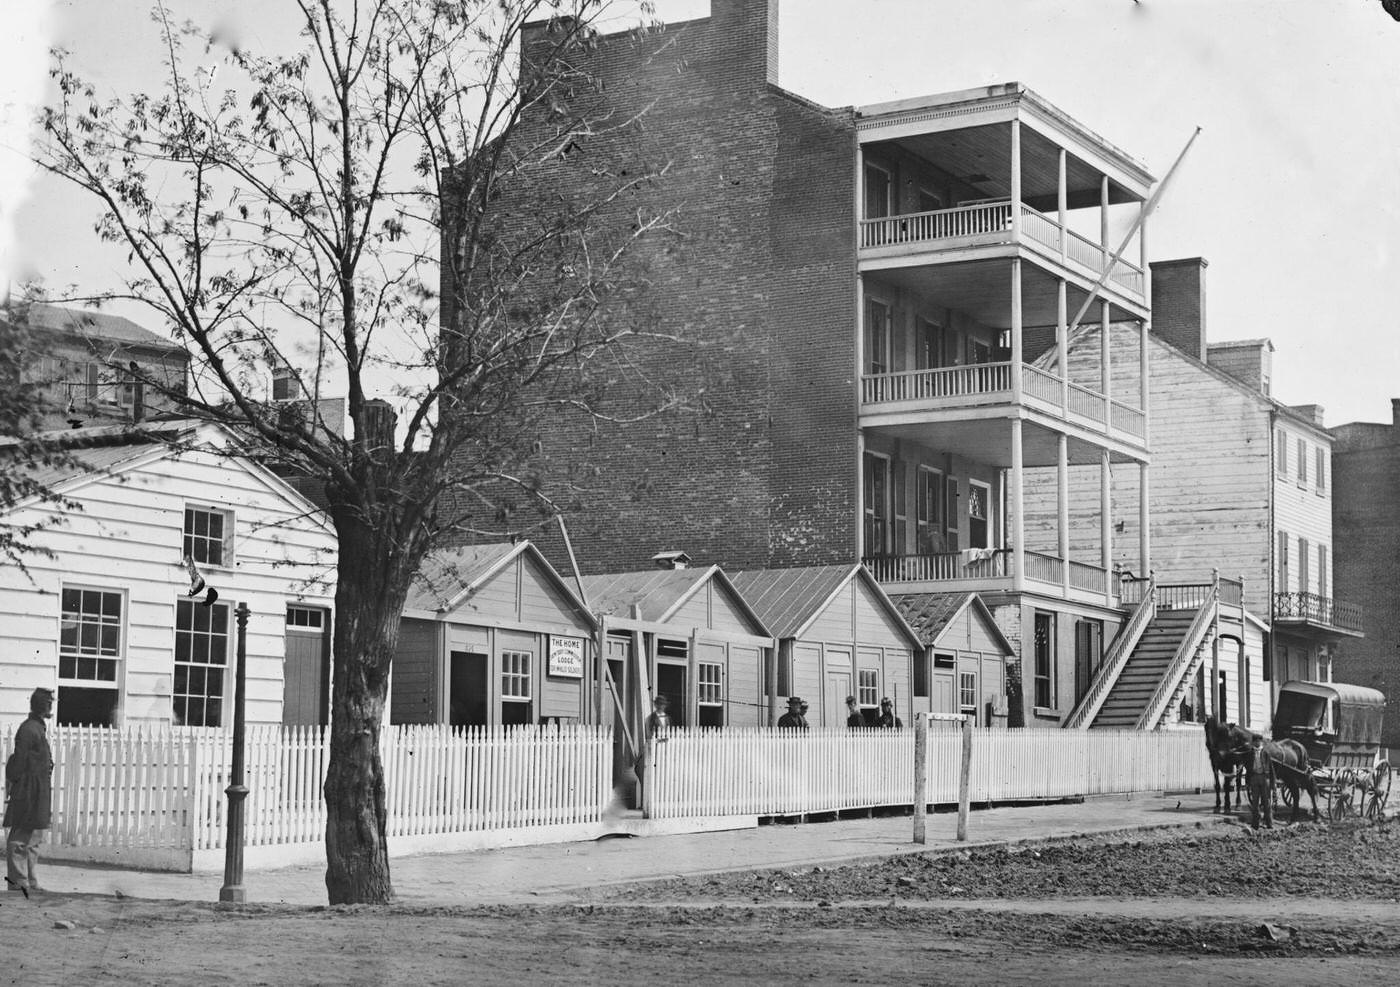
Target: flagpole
{"type": "Point", "coordinates": [1137, 222]}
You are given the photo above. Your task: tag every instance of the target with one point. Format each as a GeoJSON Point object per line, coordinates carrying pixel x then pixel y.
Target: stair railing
{"type": "Point", "coordinates": [1115, 659]}
{"type": "Point", "coordinates": [1181, 661]}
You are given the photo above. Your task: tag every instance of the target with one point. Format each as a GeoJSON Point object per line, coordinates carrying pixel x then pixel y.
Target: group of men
{"type": "Point", "coordinates": [796, 716]}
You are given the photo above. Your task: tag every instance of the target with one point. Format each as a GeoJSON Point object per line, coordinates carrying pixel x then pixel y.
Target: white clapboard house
{"type": "Point", "coordinates": [106, 619]}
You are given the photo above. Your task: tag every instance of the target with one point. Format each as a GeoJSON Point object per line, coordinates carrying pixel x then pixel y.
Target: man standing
{"type": "Point", "coordinates": [28, 782]}
{"type": "Point", "coordinates": [854, 717]}
{"type": "Point", "coordinates": [887, 718]}
{"type": "Point", "coordinates": [658, 724]}
{"type": "Point", "coordinates": [793, 718]}
{"type": "Point", "coordinates": [1259, 776]}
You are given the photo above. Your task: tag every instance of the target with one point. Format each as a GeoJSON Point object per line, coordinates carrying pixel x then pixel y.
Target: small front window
{"type": "Point", "coordinates": [207, 536]}
{"type": "Point", "coordinates": [89, 656]}
{"type": "Point", "coordinates": [967, 694]}
{"type": "Point", "coordinates": [868, 691]}
{"type": "Point", "coordinates": [515, 676]}
{"type": "Point", "coordinates": [201, 659]}
{"type": "Point", "coordinates": [710, 693]}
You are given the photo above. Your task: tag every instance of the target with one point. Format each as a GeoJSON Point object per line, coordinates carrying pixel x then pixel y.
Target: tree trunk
{"type": "Point", "coordinates": [372, 582]}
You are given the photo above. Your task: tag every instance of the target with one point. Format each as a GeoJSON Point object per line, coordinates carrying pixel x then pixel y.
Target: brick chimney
{"type": "Point", "coordinates": [1395, 412]}
{"type": "Point", "coordinates": [1250, 361]}
{"type": "Point", "coordinates": [380, 422]}
{"type": "Point", "coordinates": [1179, 303]}
{"type": "Point", "coordinates": [751, 27]}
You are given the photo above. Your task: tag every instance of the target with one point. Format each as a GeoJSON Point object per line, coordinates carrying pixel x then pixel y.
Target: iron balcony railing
{"type": "Point", "coordinates": [1321, 610]}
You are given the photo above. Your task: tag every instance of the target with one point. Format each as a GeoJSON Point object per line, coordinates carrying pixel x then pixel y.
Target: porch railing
{"type": "Point", "coordinates": [1039, 384]}
{"type": "Point", "coordinates": [1184, 658]}
{"type": "Point", "coordinates": [1091, 578]}
{"type": "Point", "coordinates": [974, 563]}
{"type": "Point", "coordinates": [1088, 404]}
{"type": "Point", "coordinates": [936, 384]}
{"type": "Point", "coordinates": [1144, 609]}
{"type": "Point", "coordinates": [1129, 419]}
{"type": "Point", "coordinates": [1317, 609]}
{"type": "Point", "coordinates": [938, 224]}
{"type": "Point", "coordinates": [1045, 568]}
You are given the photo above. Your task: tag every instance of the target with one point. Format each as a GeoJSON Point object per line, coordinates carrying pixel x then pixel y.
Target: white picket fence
{"type": "Point", "coordinates": [142, 794]}
{"type": "Point", "coordinates": [782, 772]}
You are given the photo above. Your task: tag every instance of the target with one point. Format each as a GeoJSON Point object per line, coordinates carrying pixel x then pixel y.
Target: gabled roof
{"type": "Point", "coordinates": [95, 326]}
{"type": "Point", "coordinates": [656, 594]}
{"type": "Point", "coordinates": [448, 576]}
{"type": "Point", "coordinates": [789, 600]}
{"type": "Point", "coordinates": [930, 614]}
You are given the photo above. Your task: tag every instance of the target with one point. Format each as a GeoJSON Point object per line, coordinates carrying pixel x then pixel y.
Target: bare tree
{"type": "Point", "coordinates": [339, 211]}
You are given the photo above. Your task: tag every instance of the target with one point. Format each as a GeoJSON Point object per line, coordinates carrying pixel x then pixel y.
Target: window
{"type": "Point", "coordinates": [1321, 470]}
{"type": "Point", "coordinates": [1281, 453]}
{"type": "Point", "coordinates": [929, 511]}
{"type": "Point", "coordinates": [89, 656]}
{"type": "Point", "coordinates": [967, 694]}
{"type": "Point", "coordinates": [1302, 565]}
{"type": "Point", "coordinates": [979, 527]}
{"type": "Point", "coordinates": [877, 505]}
{"type": "Point", "coordinates": [710, 693]}
{"type": "Point", "coordinates": [1088, 653]}
{"type": "Point", "coordinates": [306, 618]}
{"type": "Point", "coordinates": [207, 535]}
{"type": "Point", "coordinates": [515, 676]}
{"type": "Point", "coordinates": [1322, 570]}
{"type": "Point", "coordinates": [1302, 463]}
{"type": "Point", "coordinates": [1283, 562]}
{"type": "Point", "coordinates": [951, 508]}
{"type": "Point", "coordinates": [901, 509]}
{"type": "Point", "coordinates": [868, 687]}
{"type": "Point", "coordinates": [945, 661]}
{"type": "Point", "coordinates": [878, 189]}
{"type": "Point", "coordinates": [201, 657]}
{"type": "Point", "coordinates": [929, 353]}
{"type": "Point", "coordinates": [1045, 660]}
{"type": "Point", "coordinates": [877, 337]}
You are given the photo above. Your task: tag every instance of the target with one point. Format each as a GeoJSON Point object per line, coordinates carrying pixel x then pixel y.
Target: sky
{"type": "Point", "coordinates": [1291, 193]}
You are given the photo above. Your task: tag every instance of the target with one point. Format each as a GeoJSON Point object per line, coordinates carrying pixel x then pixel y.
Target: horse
{"type": "Point", "coordinates": [1223, 760]}
{"type": "Point", "coordinates": [1290, 760]}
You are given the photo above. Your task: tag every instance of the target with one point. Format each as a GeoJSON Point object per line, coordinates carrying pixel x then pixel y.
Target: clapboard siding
{"type": "Point", "coordinates": [873, 621]}
{"type": "Point", "coordinates": [836, 622]}
{"type": "Point", "coordinates": [542, 602]}
{"type": "Point", "coordinates": [1210, 477]}
{"type": "Point", "coordinates": [748, 706]}
{"type": "Point", "coordinates": [1301, 512]}
{"type": "Point", "coordinates": [807, 679]}
{"type": "Point", "coordinates": [128, 538]}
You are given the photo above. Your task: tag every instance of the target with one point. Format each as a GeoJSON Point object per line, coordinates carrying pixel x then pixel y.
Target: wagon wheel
{"type": "Point", "coordinates": [1341, 797]}
{"type": "Point", "coordinates": [1379, 791]}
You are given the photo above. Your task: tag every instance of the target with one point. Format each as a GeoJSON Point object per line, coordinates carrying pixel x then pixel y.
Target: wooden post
{"type": "Point", "coordinates": [920, 777]}
{"type": "Point", "coordinates": [964, 778]}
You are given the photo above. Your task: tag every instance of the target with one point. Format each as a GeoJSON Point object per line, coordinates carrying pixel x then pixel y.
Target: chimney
{"type": "Point", "coordinates": [670, 560]}
{"type": "Point", "coordinates": [1395, 412]}
{"type": "Point", "coordinates": [1179, 303]}
{"type": "Point", "coordinates": [751, 28]}
{"type": "Point", "coordinates": [1250, 361]}
{"type": "Point", "coordinates": [380, 422]}
{"type": "Point", "coordinates": [1312, 412]}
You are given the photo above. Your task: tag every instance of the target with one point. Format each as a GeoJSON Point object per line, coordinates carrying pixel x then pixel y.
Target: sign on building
{"type": "Point", "coordinates": [566, 656]}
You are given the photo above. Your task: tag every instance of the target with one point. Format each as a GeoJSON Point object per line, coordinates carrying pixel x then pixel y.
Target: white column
{"type": "Point", "coordinates": [860, 493]}
{"type": "Point", "coordinates": [1018, 512]}
{"type": "Point", "coordinates": [1016, 180]}
{"type": "Point", "coordinates": [1143, 380]}
{"type": "Point", "coordinates": [1016, 341]}
{"type": "Point", "coordinates": [1105, 511]}
{"type": "Point", "coordinates": [1103, 220]}
{"type": "Point", "coordinates": [1062, 343]}
{"type": "Point", "coordinates": [1064, 209]}
{"type": "Point", "coordinates": [1062, 475]}
{"type": "Point", "coordinates": [1106, 371]}
{"type": "Point", "coordinates": [1144, 533]}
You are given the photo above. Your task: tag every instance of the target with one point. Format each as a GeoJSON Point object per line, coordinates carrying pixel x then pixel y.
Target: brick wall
{"type": "Point", "coordinates": [1366, 565]}
{"type": "Point", "coordinates": [756, 282]}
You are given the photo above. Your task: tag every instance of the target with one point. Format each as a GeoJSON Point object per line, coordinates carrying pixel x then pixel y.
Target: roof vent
{"type": "Point", "coordinates": [670, 560]}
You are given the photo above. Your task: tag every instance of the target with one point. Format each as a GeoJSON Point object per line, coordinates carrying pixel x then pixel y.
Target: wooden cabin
{"type": "Point", "coordinates": [838, 635]}
{"type": "Point", "coordinates": [699, 643]}
{"type": "Point", "coordinates": [492, 635]}
{"type": "Point", "coordinates": [963, 668]}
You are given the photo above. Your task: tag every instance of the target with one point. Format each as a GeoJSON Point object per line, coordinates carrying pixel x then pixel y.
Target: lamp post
{"type": "Point", "coordinates": [233, 841]}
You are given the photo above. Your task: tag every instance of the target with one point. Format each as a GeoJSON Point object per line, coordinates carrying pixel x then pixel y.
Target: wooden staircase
{"type": "Point", "coordinates": [1145, 669]}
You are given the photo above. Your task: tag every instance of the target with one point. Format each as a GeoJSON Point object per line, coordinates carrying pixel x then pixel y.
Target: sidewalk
{"type": "Point", "coordinates": [570, 871]}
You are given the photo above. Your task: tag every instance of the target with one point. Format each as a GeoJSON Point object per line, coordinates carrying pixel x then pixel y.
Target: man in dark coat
{"type": "Point", "coordinates": [29, 795]}
{"type": "Point", "coordinates": [793, 718]}
{"type": "Point", "coordinates": [1259, 777]}
{"type": "Point", "coordinates": [887, 718]}
{"type": "Point", "coordinates": [854, 717]}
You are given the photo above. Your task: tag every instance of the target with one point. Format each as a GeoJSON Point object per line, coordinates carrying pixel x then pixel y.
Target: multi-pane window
{"type": "Point", "coordinates": [710, 683]}
{"type": "Point", "coordinates": [901, 508]}
{"type": "Point", "coordinates": [1281, 453]}
{"type": "Point", "coordinates": [951, 513]}
{"type": "Point", "coordinates": [1302, 463]}
{"type": "Point", "coordinates": [929, 497]}
{"type": "Point", "coordinates": [929, 344]}
{"type": "Point", "coordinates": [1321, 469]}
{"type": "Point", "coordinates": [978, 515]}
{"type": "Point", "coordinates": [90, 636]}
{"type": "Point", "coordinates": [1045, 660]}
{"type": "Point", "coordinates": [879, 190]}
{"type": "Point", "coordinates": [876, 504]}
{"type": "Point", "coordinates": [515, 676]}
{"type": "Point", "coordinates": [305, 618]}
{"type": "Point", "coordinates": [201, 659]}
{"type": "Point", "coordinates": [967, 694]}
{"type": "Point", "coordinates": [868, 687]}
{"type": "Point", "coordinates": [206, 535]}
{"type": "Point", "coordinates": [877, 337]}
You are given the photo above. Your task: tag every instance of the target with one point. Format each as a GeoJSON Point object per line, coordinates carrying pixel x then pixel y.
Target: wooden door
{"type": "Point", "coordinates": [306, 668]}
{"type": "Point", "coordinates": [838, 687]}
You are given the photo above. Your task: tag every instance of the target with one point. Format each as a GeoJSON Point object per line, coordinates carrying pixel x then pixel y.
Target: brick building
{"type": "Point", "coordinates": [861, 286]}
{"type": "Point", "coordinates": [1366, 476]}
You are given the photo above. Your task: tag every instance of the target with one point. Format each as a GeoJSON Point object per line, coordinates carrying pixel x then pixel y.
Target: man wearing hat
{"type": "Point", "coordinates": [793, 718]}
{"type": "Point", "coordinates": [887, 718]}
{"type": "Point", "coordinates": [854, 717]}
{"type": "Point", "coordinates": [28, 787]}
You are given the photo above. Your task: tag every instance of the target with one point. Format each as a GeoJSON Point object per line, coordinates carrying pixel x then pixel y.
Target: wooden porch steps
{"type": "Point", "coordinates": [1144, 669]}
